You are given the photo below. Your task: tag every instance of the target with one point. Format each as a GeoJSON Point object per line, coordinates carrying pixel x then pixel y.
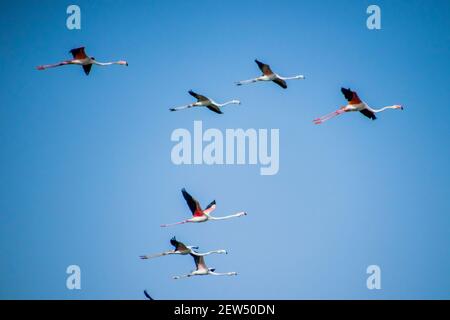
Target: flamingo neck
{"type": "Point", "coordinates": [228, 217]}
{"type": "Point", "coordinates": [108, 63]}
{"type": "Point", "coordinates": [227, 103]}
{"type": "Point", "coordinates": [293, 78]}
{"type": "Point", "coordinates": [384, 108]}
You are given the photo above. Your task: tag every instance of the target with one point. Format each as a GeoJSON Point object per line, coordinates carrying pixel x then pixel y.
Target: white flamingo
{"type": "Point", "coordinates": [355, 104]}
{"type": "Point", "coordinates": [200, 215]}
{"type": "Point", "coordinates": [269, 75]}
{"type": "Point", "coordinates": [203, 270]}
{"type": "Point", "coordinates": [203, 101]}
{"type": "Point", "coordinates": [80, 58]}
{"type": "Point", "coordinates": [182, 249]}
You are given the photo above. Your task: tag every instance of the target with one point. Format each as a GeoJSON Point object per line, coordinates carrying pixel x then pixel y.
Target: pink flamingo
{"type": "Point", "coordinates": [354, 104]}
{"type": "Point", "coordinates": [199, 215]}
{"type": "Point", "coordinates": [80, 58]}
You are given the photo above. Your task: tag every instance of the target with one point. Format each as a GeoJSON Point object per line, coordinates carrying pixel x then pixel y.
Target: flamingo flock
{"type": "Point", "coordinates": [200, 215]}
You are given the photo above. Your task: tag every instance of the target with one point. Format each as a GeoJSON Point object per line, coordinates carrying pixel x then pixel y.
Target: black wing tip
{"type": "Point", "coordinates": [213, 202]}
{"type": "Point", "coordinates": [76, 49]}
{"type": "Point", "coordinates": [174, 242]}
{"type": "Point", "coordinates": [259, 63]}
{"type": "Point", "coordinates": [147, 295]}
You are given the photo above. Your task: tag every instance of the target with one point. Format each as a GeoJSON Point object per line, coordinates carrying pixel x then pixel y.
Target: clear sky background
{"type": "Point", "coordinates": [86, 174]}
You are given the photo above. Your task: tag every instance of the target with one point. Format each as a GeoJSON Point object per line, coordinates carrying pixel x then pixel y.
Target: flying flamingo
{"type": "Point", "coordinates": [203, 270]}
{"type": "Point", "coordinates": [181, 248]}
{"type": "Point", "coordinates": [203, 101]}
{"type": "Point", "coordinates": [269, 75]}
{"type": "Point", "coordinates": [200, 215]}
{"type": "Point", "coordinates": [80, 58]}
{"type": "Point", "coordinates": [354, 104]}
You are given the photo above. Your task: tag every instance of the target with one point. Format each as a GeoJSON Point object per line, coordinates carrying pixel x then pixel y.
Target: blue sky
{"type": "Point", "coordinates": [85, 161]}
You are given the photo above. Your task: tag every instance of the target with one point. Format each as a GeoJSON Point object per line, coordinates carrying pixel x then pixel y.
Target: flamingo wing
{"type": "Point", "coordinates": [179, 246]}
{"type": "Point", "coordinates": [193, 204]}
{"type": "Point", "coordinates": [214, 108]}
{"type": "Point", "coordinates": [351, 96]}
{"type": "Point", "coordinates": [280, 82]}
{"type": "Point", "coordinates": [197, 96]}
{"type": "Point", "coordinates": [147, 295]}
{"type": "Point", "coordinates": [78, 53]}
{"type": "Point", "coordinates": [211, 207]}
{"type": "Point", "coordinates": [265, 68]}
{"type": "Point", "coordinates": [87, 68]}
{"type": "Point", "coordinates": [199, 262]}
{"type": "Point", "coordinates": [369, 114]}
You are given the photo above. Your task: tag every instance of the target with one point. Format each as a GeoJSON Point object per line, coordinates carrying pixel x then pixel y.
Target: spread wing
{"type": "Point", "coordinates": [265, 68]}
{"type": "Point", "coordinates": [210, 208]}
{"type": "Point", "coordinates": [179, 246]}
{"type": "Point", "coordinates": [147, 295]}
{"type": "Point", "coordinates": [351, 96]}
{"type": "Point", "coordinates": [87, 68]}
{"type": "Point", "coordinates": [280, 82]}
{"type": "Point", "coordinates": [78, 53]}
{"type": "Point", "coordinates": [369, 114]}
{"type": "Point", "coordinates": [192, 203]}
{"type": "Point", "coordinates": [214, 108]}
{"type": "Point", "coordinates": [197, 96]}
{"type": "Point", "coordinates": [199, 262]}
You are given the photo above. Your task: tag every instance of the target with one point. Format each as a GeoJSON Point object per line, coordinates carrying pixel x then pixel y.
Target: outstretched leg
{"type": "Point", "coordinates": [182, 107]}
{"type": "Point", "coordinates": [183, 276]}
{"type": "Point", "coordinates": [240, 83]}
{"type": "Point", "coordinates": [174, 224]}
{"type": "Point", "coordinates": [157, 255]}
{"type": "Point", "coordinates": [328, 116]}
{"type": "Point", "coordinates": [47, 66]}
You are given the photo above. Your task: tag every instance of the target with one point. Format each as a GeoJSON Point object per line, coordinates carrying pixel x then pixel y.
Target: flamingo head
{"type": "Point", "coordinates": [122, 62]}
{"type": "Point", "coordinates": [398, 107]}
{"type": "Point", "coordinates": [236, 101]}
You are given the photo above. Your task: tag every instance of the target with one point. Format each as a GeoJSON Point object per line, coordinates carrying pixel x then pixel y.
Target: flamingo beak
{"type": "Point", "coordinates": [401, 107]}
